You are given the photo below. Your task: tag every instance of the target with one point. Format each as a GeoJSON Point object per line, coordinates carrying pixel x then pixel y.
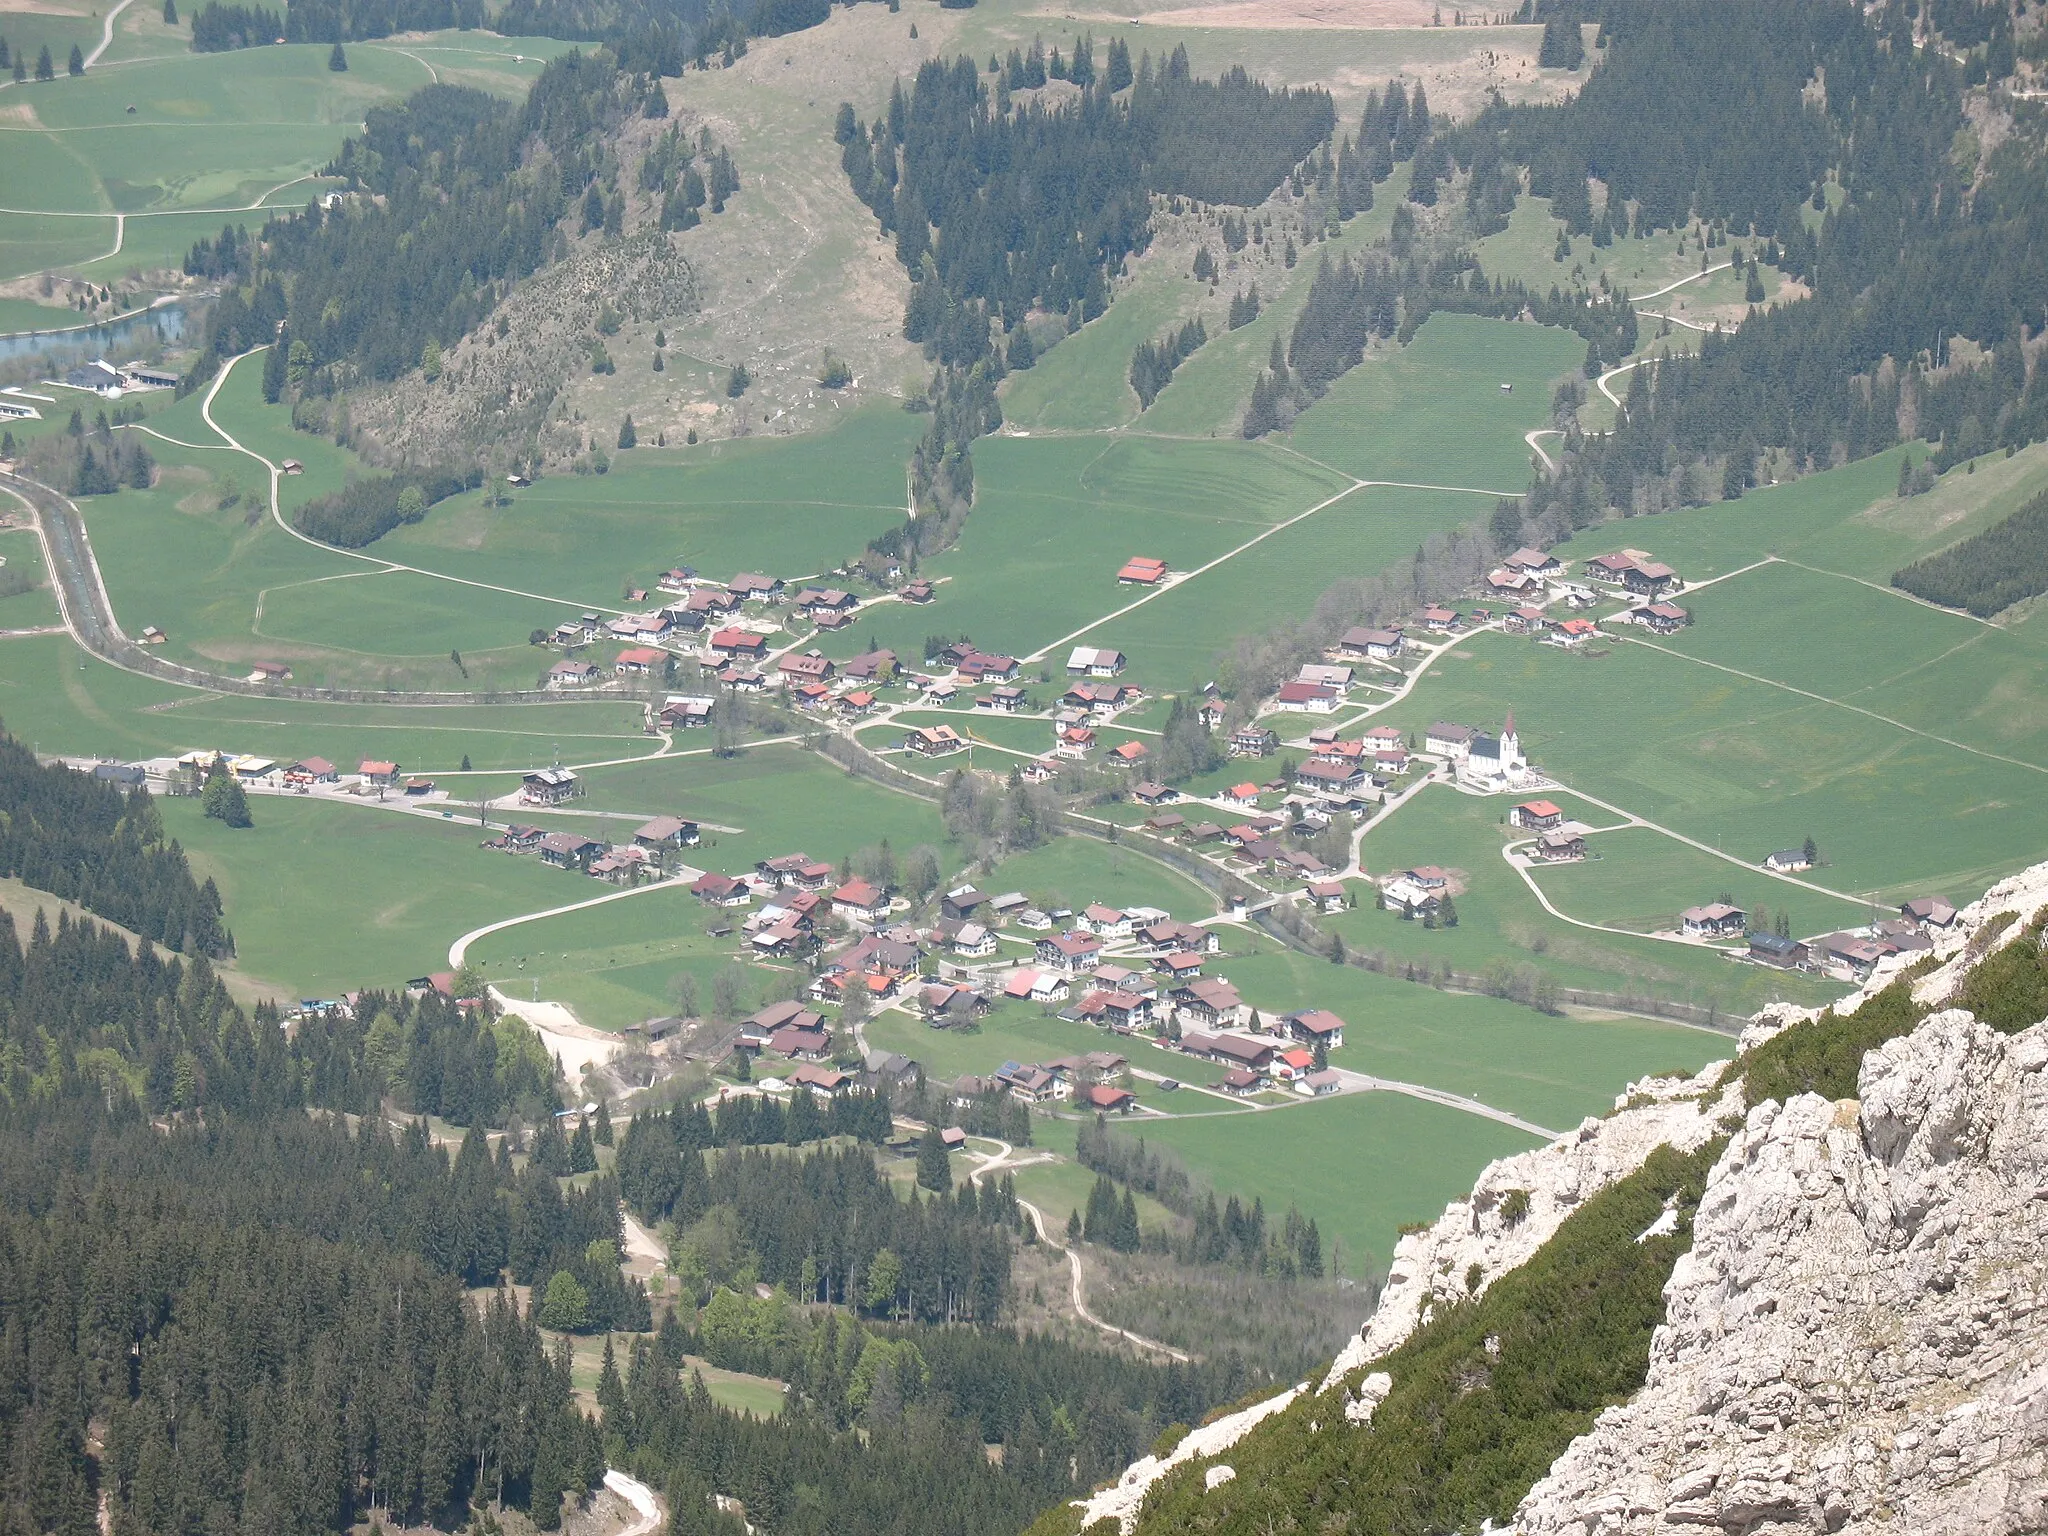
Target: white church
{"type": "Point", "coordinates": [1493, 764]}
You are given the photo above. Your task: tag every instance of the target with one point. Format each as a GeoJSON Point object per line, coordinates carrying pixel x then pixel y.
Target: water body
{"type": "Point", "coordinates": [115, 340]}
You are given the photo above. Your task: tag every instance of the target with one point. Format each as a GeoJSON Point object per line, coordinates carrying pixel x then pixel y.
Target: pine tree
{"type": "Point", "coordinates": [627, 436]}
{"type": "Point", "coordinates": [337, 60]}
{"type": "Point", "coordinates": [170, 13]}
{"type": "Point", "coordinates": [45, 70]}
{"type": "Point", "coordinates": [77, 62]}
{"type": "Point", "coordinates": [934, 1165]}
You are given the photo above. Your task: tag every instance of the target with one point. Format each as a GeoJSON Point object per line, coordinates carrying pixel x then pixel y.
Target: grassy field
{"type": "Point", "coordinates": [1361, 1164]}
{"type": "Point", "coordinates": [37, 606]}
{"type": "Point", "coordinates": [1499, 921]}
{"type": "Point", "coordinates": [323, 898]}
{"type": "Point", "coordinates": [1434, 413]}
{"type": "Point", "coordinates": [1061, 1187]}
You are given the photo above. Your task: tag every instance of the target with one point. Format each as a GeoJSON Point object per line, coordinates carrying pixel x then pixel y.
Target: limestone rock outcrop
{"type": "Point", "coordinates": [1854, 1342]}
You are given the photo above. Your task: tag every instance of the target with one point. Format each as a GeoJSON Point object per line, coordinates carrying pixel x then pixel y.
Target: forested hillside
{"type": "Point", "coordinates": [1989, 571]}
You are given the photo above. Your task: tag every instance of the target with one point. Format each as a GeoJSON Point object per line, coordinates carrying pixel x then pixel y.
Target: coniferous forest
{"type": "Point", "coordinates": [1989, 571]}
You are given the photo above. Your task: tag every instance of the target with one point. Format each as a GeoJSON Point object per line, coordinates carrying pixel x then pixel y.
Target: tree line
{"type": "Point", "coordinates": [366, 509]}
{"type": "Point", "coordinates": [87, 841]}
{"type": "Point", "coordinates": [1989, 571]}
{"type": "Point", "coordinates": [221, 28]}
{"type": "Point", "coordinates": [92, 460]}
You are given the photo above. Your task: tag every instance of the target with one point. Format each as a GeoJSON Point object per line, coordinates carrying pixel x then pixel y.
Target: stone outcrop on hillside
{"type": "Point", "coordinates": [1519, 1202]}
{"type": "Point", "coordinates": [1853, 1343]}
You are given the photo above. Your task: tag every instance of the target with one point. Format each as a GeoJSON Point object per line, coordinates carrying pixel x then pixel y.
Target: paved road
{"type": "Point", "coordinates": [107, 33]}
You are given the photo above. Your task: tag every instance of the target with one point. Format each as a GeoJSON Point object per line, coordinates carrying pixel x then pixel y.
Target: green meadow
{"type": "Point", "coordinates": [1501, 923]}
{"type": "Point", "coordinates": [1362, 1164]}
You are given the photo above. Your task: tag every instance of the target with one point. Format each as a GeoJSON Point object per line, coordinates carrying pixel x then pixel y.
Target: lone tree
{"type": "Point", "coordinates": [337, 60]}
{"type": "Point", "coordinates": [934, 1164]}
{"type": "Point", "coordinates": [170, 13]}
{"type": "Point", "coordinates": [627, 436]}
{"type": "Point", "coordinates": [1811, 852]}
{"type": "Point", "coordinates": [77, 64]}
{"type": "Point", "coordinates": [225, 800]}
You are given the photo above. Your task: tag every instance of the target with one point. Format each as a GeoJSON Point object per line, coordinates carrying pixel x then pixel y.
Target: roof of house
{"type": "Point", "coordinates": [662, 828]}
{"type": "Point", "coordinates": [1130, 751]}
{"type": "Point", "coordinates": [1713, 912]}
{"type": "Point", "coordinates": [640, 656]}
{"type": "Point", "coordinates": [1317, 1021]}
{"type": "Point", "coordinates": [857, 893]}
{"type": "Point", "coordinates": [1538, 808]}
{"type": "Point", "coordinates": [1103, 1096]}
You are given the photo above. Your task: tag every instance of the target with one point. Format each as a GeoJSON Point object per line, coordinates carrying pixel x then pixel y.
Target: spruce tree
{"type": "Point", "coordinates": [337, 60]}
{"type": "Point", "coordinates": [45, 70]}
{"type": "Point", "coordinates": [934, 1165]}
{"type": "Point", "coordinates": [170, 13]}
{"type": "Point", "coordinates": [77, 62]}
{"type": "Point", "coordinates": [627, 436]}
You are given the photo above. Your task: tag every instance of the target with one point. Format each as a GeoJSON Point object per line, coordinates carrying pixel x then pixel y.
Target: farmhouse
{"type": "Point", "coordinates": [739, 644]}
{"type": "Point", "coordinates": [1771, 949]}
{"type": "Point", "coordinates": [1327, 895]}
{"type": "Point", "coordinates": [1210, 1002]}
{"type": "Point", "coordinates": [1339, 782]}
{"type": "Point", "coordinates": [1036, 987]}
{"type": "Point", "coordinates": [1316, 1026]}
{"type": "Point", "coordinates": [752, 587]}
{"type": "Point", "coordinates": [1034, 1085]}
{"type": "Point", "coordinates": [1536, 815]}
{"type": "Point", "coordinates": [1326, 676]}
{"type": "Point", "coordinates": [810, 667]}
{"type": "Point", "coordinates": [977, 666]}
{"type": "Point", "coordinates": [1787, 861]}
{"type": "Point", "coordinates": [1505, 583]}
{"type": "Point", "coordinates": [720, 891]}
{"type": "Point", "coordinates": [1373, 644]}
{"type": "Point", "coordinates": [1660, 618]}
{"type": "Point", "coordinates": [1246, 1055]}
{"type": "Point", "coordinates": [1525, 621]}
{"type": "Point", "coordinates": [667, 832]}
{"type": "Point", "coordinates": [1534, 562]}
{"type": "Point", "coordinates": [382, 775]}
{"type": "Point", "coordinates": [1649, 579]}
{"type": "Point", "coordinates": [1715, 920]}
{"type": "Point", "coordinates": [1928, 911]}
{"type": "Point", "coordinates": [1846, 956]}
{"type": "Point", "coordinates": [1439, 621]}
{"type": "Point", "coordinates": [933, 740]}
{"type": "Point", "coordinates": [858, 901]}
{"type": "Point", "coordinates": [549, 786]}
{"type": "Point", "coordinates": [871, 667]}
{"type": "Point", "coordinates": [314, 770]}
{"type": "Point", "coordinates": [1254, 741]}
{"type": "Point", "coordinates": [1108, 1100]}
{"type": "Point", "coordinates": [1006, 700]}
{"type": "Point", "coordinates": [1609, 567]}
{"type": "Point", "coordinates": [1075, 741]}
{"type": "Point", "coordinates": [1100, 698]}
{"type": "Point", "coordinates": [918, 592]}
{"type": "Point", "coordinates": [517, 839]}
{"type": "Point", "coordinates": [1091, 661]}
{"type": "Point", "coordinates": [676, 579]}
{"type": "Point", "coordinates": [817, 601]}
{"type": "Point", "coordinates": [1312, 698]}
{"type": "Point", "coordinates": [1104, 922]}
{"type": "Point", "coordinates": [1142, 571]}
{"type": "Point", "coordinates": [568, 850]}
{"type": "Point", "coordinates": [572, 674]}
{"type": "Point", "coordinates": [822, 1081]}
{"type": "Point", "coordinates": [638, 661]}
{"type": "Point", "coordinates": [1560, 848]}
{"type": "Point", "coordinates": [1069, 951]}
{"type": "Point", "coordinates": [1129, 754]}
{"type": "Point", "coordinates": [1321, 1084]}
{"type": "Point", "coordinates": [1573, 632]}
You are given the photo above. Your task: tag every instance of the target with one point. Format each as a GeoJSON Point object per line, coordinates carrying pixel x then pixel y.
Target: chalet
{"type": "Point", "coordinates": [573, 674]}
{"type": "Point", "coordinates": [567, 634]}
{"type": "Point", "coordinates": [1075, 741]}
{"type": "Point", "coordinates": [1928, 911]}
{"type": "Point", "coordinates": [1117, 978]}
{"type": "Point", "coordinates": [1128, 754]}
{"type": "Point", "coordinates": [1105, 922]}
{"type": "Point", "coordinates": [978, 665]}
{"type": "Point", "coordinates": [1338, 782]}
{"type": "Point", "coordinates": [1250, 1055]}
{"type": "Point", "coordinates": [1100, 698]}
{"type": "Point", "coordinates": [943, 1004]}
{"type": "Point", "coordinates": [1293, 1064]}
{"type": "Point", "coordinates": [568, 850]}
{"type": "Point", "coordinates": [638, 661]}
{"type": "Point", "coordinates": [1240, 1081]}
{"type": "Point", "coordinates": [382, 775]}
{"type": "Point", "coordinates": [1178, 966]}
{"type": "Point", "coordinates": [970, 941]}
{"type": "Point", "coordinates": [803, 1039]}
{"type": "Point", "coordinates": [1008, 905]}
{"type": "Point", "coordinates": [739, 644]}
{"type": "Point", "coordinates": [1772, 949]}
{"type": "Point", "coordinates": [1211, 1003]}
{"type": "Point", "coordinates": [1254, 741]}
{"type": "Point", "coordinates": [1536, 816]}
{"type": "Point", "coordinates": [1447, 740]}
{"type": "Point", "coordinates": [1150, 793]}
{"type": "Point", "coordinates": [858, 901]}
{"type": "Point", "coordinates": [1036, 987]}
{"type": "Point", "coordinates": [1040, 770]}
{"type": "Point", "coordinates": [1534, 562]}
{"type": "Point", "coordinates": [1204, 832]}
{"type": "Point", "coordinates": [1171, 935]}
{"type": "Point", "coordinates": [270, 672]}
{"type": "Point", "coordinates": [1123, 1012]}
{"type": "Point", "coordinates": [1715, 920]}
{"type": "Point", "coordinates": [313, 770]}
{"type": "Point", "coordinates": [707, 603]}
{"type": "Point", "coordinates": [752, 587]}
{"type": "Point", "coordinates": [1524, 621]}
{"type": "Point", "coordinates": [810, 667]}
{"type": "Point", "coordinates": [518, 839]}
{"type": "Point", "coordinates": [666, 832]}
{"type": "Point", "coordinates": [1034, 1085]}
{"type": "Point", "coordinates": [1787, 861]}
{"type": "Point", "coordinates": [1311, 698]}
{"type": "Point", "coordinates": [871, 667]}
{"type": "Point", "coordinates": [1505, 583]}
{"type": "Point", "coordinates": [720, 891]}
{"type": "Point", "coordinates": [549, 786]}
{"type": "Point", "coordinates": [1573, 632]}
{"type": "Point", "coordinates": [1327, 895]}
{"type": "Point", "coordinates": [416, 787]}
{"type": "Point", "coordinates": [1649, 579]}
{"type": "Point", "coordinates": [822, 1081]}
{"type": "Point", "coordinates": [937, 693]}
{"type": "Point", "coordinates": [933, 740]}
{"type": "Point", "coordinates": [1416, 891]}
{"type": "Point", "coordinates": [818, 601]}
{"type": "Point", "coordinates": [1439, 621]}
{"type": "Point", "coordinates": [1069, 952]}
{"type": "Point", "coordinates": [641, 626]}
{"type": "Point", "coordinates": [1560, 848]}
{"type": "Point", "coordinates": [1315, 1026]}
{"type": "Point", "coordinates": [1210, 714]}
{"type": "Point", "coordinates": [1391, 763]}
{"type": "Point", "coordinates": [1326, 676]}
{"type": "Point", "coordinates": [1142, 571]}
{"type": "Point", "coordinates": [743, 679]}
{"type": "Point", "coordinates": [1006, 700]}
{"type": "Point", "coordinates": [676, 579]}
{"type": "Point", "coordinates": [1609, 567]}
{"type": "Point", "coordinates": [1661, 618]}
{"type": "Point", "coordinates": [617, 865]}
{"type": "Point", "coordinates": [1846, 956]}
{"type": "Point", "coordinates": [918, 592]}
{"type": "Point", "coordinates": [1108, 1100]}
{"type": "Point", "coordinates": [1317, 1085]}
{"type": "Point", "coordinates": [1094, 661]}
{"type": "Point", "coordinates": [1373, 644]}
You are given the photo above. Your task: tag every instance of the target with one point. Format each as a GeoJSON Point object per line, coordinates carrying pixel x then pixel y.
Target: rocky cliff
{"type": "Point", "coordinates": [1851, 1342]}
